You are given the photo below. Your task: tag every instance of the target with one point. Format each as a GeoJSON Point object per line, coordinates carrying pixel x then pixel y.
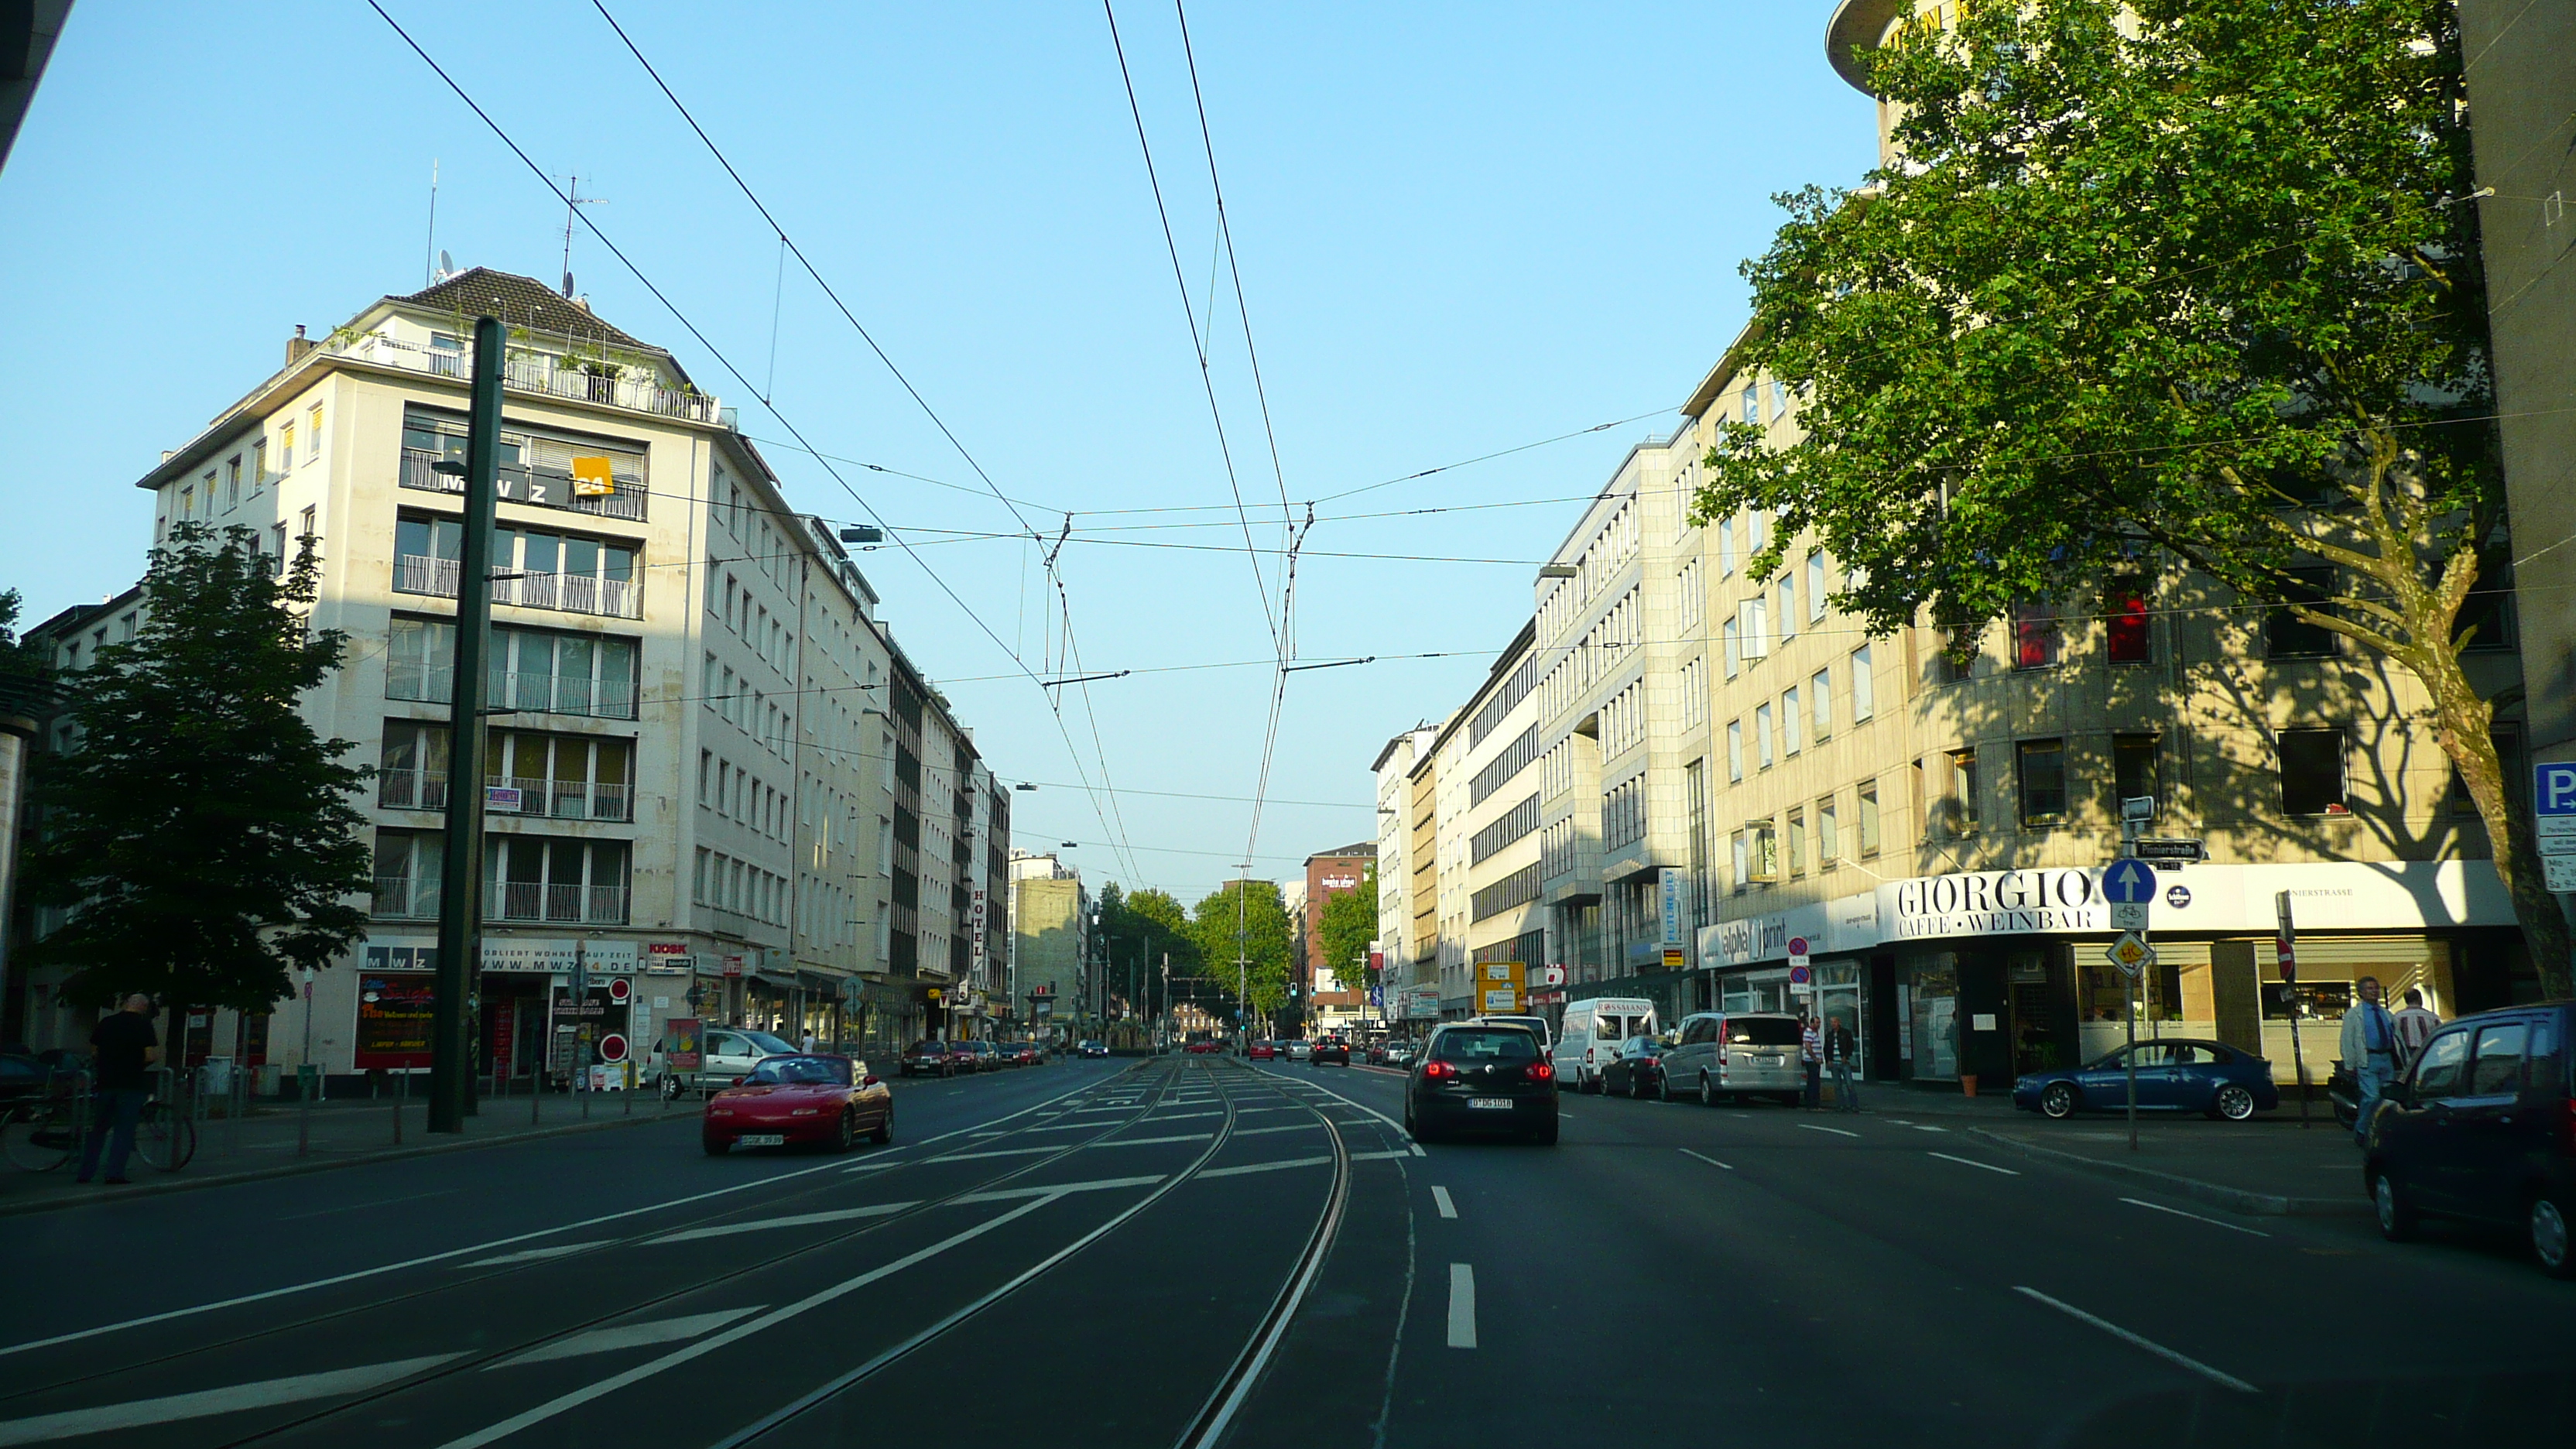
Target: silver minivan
{"type": "Point", "coordinates": [1731, 1055]}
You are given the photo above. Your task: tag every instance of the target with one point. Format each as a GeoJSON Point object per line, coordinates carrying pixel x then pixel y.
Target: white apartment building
{"type": "Point", "coordinates": [706, 758]}
{"type": "Point", "coordinates": [1405, 997]}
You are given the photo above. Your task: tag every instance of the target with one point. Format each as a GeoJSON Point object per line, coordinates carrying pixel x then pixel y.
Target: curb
{"type": "Point", "coordinates": [297, 1169]}
{"type": "Point", "coordinates": [2258, 1204]}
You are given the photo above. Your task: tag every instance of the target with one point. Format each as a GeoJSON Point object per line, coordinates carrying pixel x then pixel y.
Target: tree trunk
{"type": "Point", "coordinates": [2462, 722]}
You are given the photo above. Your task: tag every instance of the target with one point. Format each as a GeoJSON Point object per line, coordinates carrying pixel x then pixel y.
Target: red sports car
{"type": "Point", "coordinates": [800, 1099]}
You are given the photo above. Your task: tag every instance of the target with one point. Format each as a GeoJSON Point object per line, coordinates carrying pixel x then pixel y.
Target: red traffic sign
{"type": "Point", "coordinates": [1798, 976]}
{"type": "Point", "coordinates": [618, 990]}
{"type": "Point", "coordinates": [2289, 958]}
{"type": "Point", "coordinates": [612, 1047]}
{"type": "Point", "coordinates": [1797, 945]}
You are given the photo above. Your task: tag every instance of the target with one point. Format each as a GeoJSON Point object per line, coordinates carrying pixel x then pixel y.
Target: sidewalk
{"type": "Point", "coordinates": [2267, 1166]}
{"type": "Point", "coordinates": [263, 1144]}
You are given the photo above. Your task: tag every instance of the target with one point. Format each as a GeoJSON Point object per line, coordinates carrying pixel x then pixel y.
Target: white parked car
{"type": "Point", "coordinates": [1301, 1050]}
{"type": "Point", "coordinates": [727, 1052]}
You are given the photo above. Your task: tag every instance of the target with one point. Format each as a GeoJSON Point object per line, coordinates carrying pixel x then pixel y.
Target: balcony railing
{"type": "Point", "coordinates": [544, 374]}
{"type": "Point", "coordinates": [570, 593]}
{"type": "Point", "coordinates": [516, 692]}
{"type": "Point", "coordinates": [406, 898]}
{"type": "Point", "coordinates": [541, 487]}
{"type": "Point", "coordinates": [414, 898]}
{"type": "Point", "coordinates": [399, 788]}
{"type": "Point", "coordinates": [569, 799]}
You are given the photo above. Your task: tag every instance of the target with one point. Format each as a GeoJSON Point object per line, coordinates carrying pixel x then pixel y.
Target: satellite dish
{"type": "Point", "coordinates": [567, 287]}
{"type": "Point", "coordinates": [446, 265]}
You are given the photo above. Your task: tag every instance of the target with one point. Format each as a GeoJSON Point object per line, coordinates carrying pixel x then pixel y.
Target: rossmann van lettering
{"type": "Point", "coordinates": [1996, 903]}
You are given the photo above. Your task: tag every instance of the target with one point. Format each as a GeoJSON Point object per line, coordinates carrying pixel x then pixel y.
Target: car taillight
{"type": "Point", "coordinates": [1439, 1071]}
{"type": "Point", "coordinates": [2567, 1127]}
{"type": "Point", "coordinates": [1539, 1072]}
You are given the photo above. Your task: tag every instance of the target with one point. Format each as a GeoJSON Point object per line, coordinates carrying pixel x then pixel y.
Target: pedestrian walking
{"type": "Point", "coordinates": [1842, 1053]}
{"type": "Point", "coordinates": [1811, 1055]}
{"type": "Point", "coordinates": [2370, 1049]}
{"type": "Point", "coordinates": [125, 1047]}
{"type": "Point", "coordinates": [2415, 1026]}
{"type": "Point", "coordinates": [809, 1043]}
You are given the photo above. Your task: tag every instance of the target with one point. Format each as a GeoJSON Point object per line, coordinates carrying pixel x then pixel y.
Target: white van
{"type": "Point", "coordinates": [1592, 1033]}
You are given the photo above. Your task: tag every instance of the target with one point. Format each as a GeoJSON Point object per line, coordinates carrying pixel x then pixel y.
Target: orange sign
{"type": "Point", "coordinates": [591, 477]}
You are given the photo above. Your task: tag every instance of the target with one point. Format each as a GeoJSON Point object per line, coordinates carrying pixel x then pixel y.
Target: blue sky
{"type": "Point", "coordinates": [1460, 229]}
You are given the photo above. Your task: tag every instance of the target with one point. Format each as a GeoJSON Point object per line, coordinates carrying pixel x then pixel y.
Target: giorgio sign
{"type": "Point", "coordinates": [1992, 903]}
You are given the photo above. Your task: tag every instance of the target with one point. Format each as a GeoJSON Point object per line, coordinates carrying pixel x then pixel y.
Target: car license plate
{"type": "Point", "coordinates": [763, 1139]}
{"type": "Point", "coordinates": [1490, 1104]}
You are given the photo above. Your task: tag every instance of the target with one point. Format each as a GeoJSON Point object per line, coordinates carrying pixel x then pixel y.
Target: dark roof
{"type": "Point", "coordinates": [520, 302]}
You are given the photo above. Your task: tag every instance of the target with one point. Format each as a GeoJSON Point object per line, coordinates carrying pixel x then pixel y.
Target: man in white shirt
{"type": "Point", "coordinates": [2415, 1026]}
{"type": "Point", "coordinates": [2370, 1049]}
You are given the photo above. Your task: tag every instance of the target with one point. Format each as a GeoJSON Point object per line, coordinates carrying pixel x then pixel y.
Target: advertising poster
{"type": "Point", "coordinates": [393, 1020]}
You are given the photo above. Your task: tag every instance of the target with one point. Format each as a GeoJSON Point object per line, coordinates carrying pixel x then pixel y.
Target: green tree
{"type": "Point", "coordinates": [202, 836]}
{"type": "Point", "coordinates": [1246, 919]}
{"type": "Point", "coordinates": [2189, 276]}
{"type": "Point", "coordinates": [1346, 925]}
{"type": "Point", "coordinates": [1148, 926]}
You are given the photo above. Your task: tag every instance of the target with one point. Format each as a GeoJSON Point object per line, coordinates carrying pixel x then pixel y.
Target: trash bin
{"type": "Point", "coordinates": [308, 1082]}
{"type": "Point", "coordinates": [219, 1077]}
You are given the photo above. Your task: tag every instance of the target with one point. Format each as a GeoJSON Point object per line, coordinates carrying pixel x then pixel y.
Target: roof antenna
{"type": "Point", "coordinates": [573, 199]}
{"type": "Point", "coordinates": [433, 222]}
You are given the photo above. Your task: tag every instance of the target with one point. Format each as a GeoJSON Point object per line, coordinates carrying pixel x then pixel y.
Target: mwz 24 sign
{"type": "Point", "coordinates": [1995, 903]}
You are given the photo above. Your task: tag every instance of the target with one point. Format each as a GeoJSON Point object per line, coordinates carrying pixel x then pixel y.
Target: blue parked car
{"type": "Point", "coordinates": [2173, 1076]}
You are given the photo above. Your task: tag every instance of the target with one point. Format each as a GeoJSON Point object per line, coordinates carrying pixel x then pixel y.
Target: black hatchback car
{"type": "Point", "coordinates": [1330, 1049]}
{"type": "Point", "coordinates": [2482, 1129]}
{"type": "Point", "coordinates": [1475, 1078]}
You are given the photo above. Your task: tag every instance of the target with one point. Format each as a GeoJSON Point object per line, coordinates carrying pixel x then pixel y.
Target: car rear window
{"type": "Point", "coordinates": [929, 1046]}
{"type": "Point", "coordinates": [789, 1071]}
{"type": "Point", "coordinates": [1761, 1031]}
{"type": "Point", "coordinates": [1483, 1045]}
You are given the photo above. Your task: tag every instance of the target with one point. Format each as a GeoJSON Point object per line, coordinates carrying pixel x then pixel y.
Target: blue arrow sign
{"type": "Point", "coordinates": [2129, 882]}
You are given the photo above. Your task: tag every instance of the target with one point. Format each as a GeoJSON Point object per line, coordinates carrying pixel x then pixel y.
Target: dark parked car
{"type": "Point", "coordinates": [1092, 1049]}
{"type": "Point", "coordinates": [2174, 1075]}
{"type": "Point", "coordinates": [1331, 1049]}
{"type": "Point", "coordinates": [2483, 1129]}
{"type": "Point", "coordinates": [987, 1057]}
{"type": "Point", "coordinates": [932, 1058]}
{"type": "Point", "coordinates": [1638, 1070]}
{"type": "Point", "coordinates": [1480, 1078]}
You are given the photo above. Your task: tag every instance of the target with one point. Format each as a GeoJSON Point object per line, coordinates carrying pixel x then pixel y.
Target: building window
{"type": "Point", "coordinates": [1820, 690]}
{"type": "Point", "coordinates": [1695, 801]}
{"type": "Point", "coordinates": [1762, 840]}
{"type": "Point", "coordinates": [1816, 589]}
{"type": "Point", "coordinates": [1864, 692]}
{"type": "Point", "coordinates": [1732, 634]}
{"type": "Point", "coordinates": [1735, 750]}
{"type": "Point", "coordinates": [1797, 841]}
{"type": "Point", "coordinates": [1828, 847]}
{"type": "Point", "coordinates": [286, 446]}
{"type": "Point", "coordinates": [2035, 634]}
{"type": "Point", "coordinates": [1743, 859]}
{"type": "Point", "coordinates": [1725, 547]}
{"type": "Point", "coordinates": [2125, 624]}
{"type": "Point", "coordinates": [1955, 653]}
{"type": "Point", "coordinates": [1963, 786]}
{"type": "Point", "coordinates": [1867, 818]}
{"type": "Point", "coordinates": [1762, 734]}
{"type": "Point", "coordinates": [2041, 766]}
{"type": "Point", "coordinates": [2134, 774]}
{"type": "Point", "coordinates": [2488, 610]}
{"type": "Point", "coordinates": [2312, 773]}
{"type": "Point", "coordinates": [311, 537]}
{"type": "Point", "coordinates": [313, 432]}
{"type": "Point", "coordinates": [1755, 613]}
{"type": "Point", "coordinates": [2286, 636]}
{"type": "Point", "coordinates": [232, 481]}
{"type": "Point", "coordinates": [1788, 605]}
{"type": "Point", "coordinates": [1789, 718]}
{"type": "Point", "coordinates": [1753, 402]}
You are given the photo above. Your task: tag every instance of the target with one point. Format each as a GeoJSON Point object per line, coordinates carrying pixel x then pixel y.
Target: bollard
{"type": "Point", "coordinates": [535, 1097]}
{"type": "Point", "coordinates": [402, 1099]}
{"type": "Point", "coordinates": [306, 1079]}
{"type": "Point", "coordinates": [629, 1069]}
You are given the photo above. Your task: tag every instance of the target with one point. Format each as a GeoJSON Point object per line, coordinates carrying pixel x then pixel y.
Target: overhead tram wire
{"type": "Point", "coordinates": [731, 370]}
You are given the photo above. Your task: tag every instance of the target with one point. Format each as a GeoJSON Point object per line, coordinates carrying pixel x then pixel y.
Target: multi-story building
{"type": "Point", "coordinates": [704, 768]}
{"type": "Point", "coordinates": [1335, 992]}
{"type": "Point", "coordinates": [1727, 767]}
{"type": "Point", "coordinates": [1396, 832]}
{"type": "Point", "coordinates": [1050, 942]}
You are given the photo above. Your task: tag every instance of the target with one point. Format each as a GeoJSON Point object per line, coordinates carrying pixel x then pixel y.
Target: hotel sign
{"type": "Point", "coordinates": [1993, 903]}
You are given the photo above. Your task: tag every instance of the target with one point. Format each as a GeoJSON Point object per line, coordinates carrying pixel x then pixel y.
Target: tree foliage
{"type": "Point", "coordinates": [1151, 926]}
{"type": "Point", "coordinates": [1346, 925]}
{"type": "Point", "coordinates": [1246, 919]}
{"type": "Point", "coordinates": [200, 833]}
{"type": "Point", "coordinates": [2187, 279]}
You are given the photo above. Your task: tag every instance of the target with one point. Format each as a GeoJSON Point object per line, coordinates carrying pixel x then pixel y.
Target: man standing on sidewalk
{"type": "Point", "coordinates": [1811, 1055]}
{"type": "Point", "coordinates": [2370, 1049]}
{"type": "Point", "coordinates": [125, 1047]}
{"type": "Point", "coordinates": [2415, 1027]}
{"type": "Point", "coordinates": [1842, 1052]}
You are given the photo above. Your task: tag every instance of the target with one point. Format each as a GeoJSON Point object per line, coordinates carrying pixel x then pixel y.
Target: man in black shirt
{"type": "Point", "coordinates": [126, 1047]}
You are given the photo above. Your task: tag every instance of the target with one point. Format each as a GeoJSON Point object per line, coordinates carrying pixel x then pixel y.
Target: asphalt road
{"type": "Point", "coordinates": [1191, 1251]}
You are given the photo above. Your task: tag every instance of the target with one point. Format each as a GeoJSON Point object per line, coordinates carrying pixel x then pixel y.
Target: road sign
{"type": "Point", "coordinates": [2131, 954]}
{"type": "Point", "coordinates": [1798, 954]}
{"type": "Point", "coordinates": [2553, 819]}
{"type": "Point", "coordinates": [2128, 915]}
{"type": "Point", "coordinates": [1553, 975]}
{"type": "Point", "coordinates": [2169, 849]}
{"type": "Point", "coordinates": [2558, 872]}
{"type": "Point", "coordinates": [1673, 960]}
{"type": "Point", "coordinates": [2129, 881]}
{"type": "Point", "coordinates": [1799, 975]}
{"type": "Point", "coordinates": [2285, 951]}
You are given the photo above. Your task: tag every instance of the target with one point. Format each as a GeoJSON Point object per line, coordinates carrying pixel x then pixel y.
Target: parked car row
{"type": "Point", "coordinates": [936, 1058]}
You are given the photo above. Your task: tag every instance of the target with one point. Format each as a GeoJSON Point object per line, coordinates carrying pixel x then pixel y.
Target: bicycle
{"type": "Point", "coordinates": [165, 1137]}
{"type": "Point", "coordinates": [40, 1134]}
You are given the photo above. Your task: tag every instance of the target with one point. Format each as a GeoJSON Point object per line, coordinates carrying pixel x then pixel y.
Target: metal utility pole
{"type": "Point", "coordinates": [460, 899]}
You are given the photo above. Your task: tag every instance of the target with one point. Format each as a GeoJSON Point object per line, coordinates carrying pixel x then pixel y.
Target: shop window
{"type": "Point", "coordinates": [2134, 772]}
{"type": "Point", "coordinates": [2285, 635]}
{"type": "Point", "coordinates": [2040, 766]}
{"type": "Point", "coordinates": [2035, 634]}
{"type": "Point", "coordinates": [2312, 773]}
{"type": "Point", "coordinates": [2125, 621]}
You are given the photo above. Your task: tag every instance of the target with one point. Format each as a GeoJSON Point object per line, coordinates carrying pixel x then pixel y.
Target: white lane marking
{"type": "Point", "coordinates": [538, 1255]}
{"type": "Point", "coordinates": [873, 1164]}
{"type": "Point", "coordinates": [140, 1412]}
{"type": "Point", "coordinates": [1462, 1306]}
{"type": "Point", "coordinates": [1387, 1156]}
{"type": "Point", "coordinates": [1241, 1169]}
{"type": "Point", "coordinates": [1837, 1131]}
{"type": "Point", "coordinates": [1152, 1141]}
{"type": "Point", "coordinates": [1363, 1106]}
{"type": "Point", "coordinates": [1704, 1157]}
{"type": "Point", "coordinates": [630, 1335]}
{"type": "Point", "coordinates": [1283, 1127]}
{"type": "Point", "coordinates": [1440, 1200]}
{"type": "Point", "coordinates": [646, 1371]}
{"type": "Point", "coordinates": [2150, 1345]}
{"type": "Point", "coordinates": [1098, 1184]}
{"type": "Point", "coordinates": [1926, 1127]}
{"type": "Point", "coordinates": [1972, 1162]}
{"type": "Point", "coordinates": [795, 1220]}
{"type": "Point", "coordinates": [996, 1152]}
{"type": "Point", "coordinates": [1416, 1148]}
{"type": "Point", "coordinates": [355, 1274]}
{"type": "Point", "coordinates": [2195, 1217]}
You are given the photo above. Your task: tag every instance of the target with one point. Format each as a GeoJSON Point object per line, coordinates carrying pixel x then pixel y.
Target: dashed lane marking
{"type": "Point", "coordinates": [1462, 1305]}
{"type": "Point", "coordinates": [1246, 1168]}
{"type": "Point", "coordinates": [538, 1255]}
{"type": "Point", "coordinates": [2150, 1345]}
{"type": "Point", "coordinates": [1440, 1200]}
{"type": "Point", "coordinates": [1972, 1162]}
{"type": "Point", "coordinates": [1837, 1131]}
{"type": "Point", "coordinates": [795, 1220]}
{"type": "Point", "coordinates": [206, 1402]}
{"type": "Point", "coordinates": [2195, 1217]}
{"type": "Point", "coordinates": [629, 1335]}
{"type": "Point", "coordinates": [1098, 1184]}
{"type": "Point", "coordinates": [1282, 1127]}
{"type": "Point", "coordinates": [1704, 1157]}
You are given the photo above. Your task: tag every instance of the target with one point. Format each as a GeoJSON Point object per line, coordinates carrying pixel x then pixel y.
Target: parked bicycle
{"type": "Point", "coordinates": [43, 1132]}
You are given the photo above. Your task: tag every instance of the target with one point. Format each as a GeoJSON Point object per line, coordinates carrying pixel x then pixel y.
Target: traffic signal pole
{"type": "Point", "coordinates": [460, 897]}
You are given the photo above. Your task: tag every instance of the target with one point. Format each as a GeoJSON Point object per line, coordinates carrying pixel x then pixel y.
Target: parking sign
{"type": "Point", "coordinates": [2553, 805]}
